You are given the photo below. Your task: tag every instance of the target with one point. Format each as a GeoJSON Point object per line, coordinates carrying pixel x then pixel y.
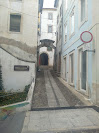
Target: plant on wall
{"type": "Point", "coordinates": [1, 81]}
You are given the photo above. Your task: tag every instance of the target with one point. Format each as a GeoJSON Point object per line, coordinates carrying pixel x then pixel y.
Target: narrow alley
{"type": "Point", "coordinates": [49, 70]}
{"type": "Point", "coordinates": [50, 92]}
{"type": "Point", "coordinates": [55, 109]}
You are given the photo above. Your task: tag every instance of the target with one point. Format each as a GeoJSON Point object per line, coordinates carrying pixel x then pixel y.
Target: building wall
{"type": "Point", "coordinates": [15, 80]}
{"type": "Point", "coordinates": [28, 22]}
{"type": "Point", "coordinates": [95, 64]}
{"type": "Point", "coordinates": [18, 48]}
{"type": "Point", "coordinates": [58, 38]}
{"type": "Point", "coordinates": [73, 45]}
{"type": "Point", "coordinates": [44, 31]}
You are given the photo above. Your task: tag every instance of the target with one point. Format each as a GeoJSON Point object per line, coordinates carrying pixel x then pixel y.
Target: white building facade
{"type": "Point", "coordinates": [48, 31]}
{"type": "Point", "coordinates": [18, 42]}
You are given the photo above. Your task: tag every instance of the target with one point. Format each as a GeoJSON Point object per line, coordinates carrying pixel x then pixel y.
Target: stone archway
{"type": "Point", "coordinates": [43, 59]}
{"type": "Point", "coordinates": [44, 43]}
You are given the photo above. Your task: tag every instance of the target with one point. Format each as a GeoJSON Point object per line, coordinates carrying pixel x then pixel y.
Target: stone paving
{"type": "Point", "coordinates": [54, 95]}
{"type": "Point", "coordinates": [51, 93]}
{"type": "Point", "coordinates": [58, 121]}
{"type": "Point", "coordinates": [40, 96]}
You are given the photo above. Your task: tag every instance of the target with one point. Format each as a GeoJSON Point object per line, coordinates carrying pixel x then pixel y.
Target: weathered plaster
{"type": "Point", "coordinates": [20, 45]}
{"type": "Point", "coordinates": [18, 53]}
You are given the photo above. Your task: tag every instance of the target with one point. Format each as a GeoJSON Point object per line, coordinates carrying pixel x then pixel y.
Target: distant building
{"type": "Point", "coordinates": [18, 42]}
{"type": "Point", "coordinates": [47, 34]}
{"type": "Point", "coordinates": [80, 67]}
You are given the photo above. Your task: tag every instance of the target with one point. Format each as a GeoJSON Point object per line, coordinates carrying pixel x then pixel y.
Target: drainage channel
{"type": "Point", "coordinates": [66, 108]}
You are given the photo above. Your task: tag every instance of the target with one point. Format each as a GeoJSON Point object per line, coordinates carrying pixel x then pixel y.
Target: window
{"type": "Point", "coordinates": [65, 69]}
{"type": "Point", "coordinates": [57, 19]}
{"type": "Point", "coordinates": [72, 68]}
{"type": "Point", "coordinates": [65, 28]}
{"type": "Point", "coordinates": [50, 16]}
{"type": "Point", "coordinates": [57, 37]}
{"type": "Point", "coordinates": [49, 29]}
{"type": "Point", "coordinates": [82, 10]}
{"type": "Point", "coordinates": [15, 22]}
{"type": "Point", "coordinates": [60, 32]}
{"type": "Point", "coordinates": [60, 10]}
{"type": "Point", "coordinates": [66, 4]}
{"type": "Point", "coordinates": [72, 22]}
{"type": "Point", "coordinates": [49, 49]}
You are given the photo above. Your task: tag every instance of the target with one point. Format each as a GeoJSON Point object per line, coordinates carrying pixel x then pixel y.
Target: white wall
{"type": "Point", "coordinates": [44, 31]}
{"type": "Point", "coordinates": [59, 42]}
{"type": "Point", "coordinates": [22, 45]}
{"type": "Point", "coordinates": [15, 80]}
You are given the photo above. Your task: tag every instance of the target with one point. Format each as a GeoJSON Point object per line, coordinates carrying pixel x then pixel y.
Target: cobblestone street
{"type": "Point", "coordinates": [50, 92]}
{"type": "Point", "coordinates": [55, 109]}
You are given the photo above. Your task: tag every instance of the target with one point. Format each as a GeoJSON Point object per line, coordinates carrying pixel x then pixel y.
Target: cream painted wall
{"type": "Point", "coordinates": [29, 21]}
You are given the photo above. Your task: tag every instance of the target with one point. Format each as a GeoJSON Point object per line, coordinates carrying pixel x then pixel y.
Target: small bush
{"type": "Point", "coordinates": [9, 98]}
{"type": "Point", "coordinates": [27, 88]}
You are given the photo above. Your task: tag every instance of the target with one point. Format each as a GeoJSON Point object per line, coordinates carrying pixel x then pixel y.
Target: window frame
{"type": "Point", "coordinates": [60, 31]}
{"type": "Point", "coordinates": [49, 50]}
{"type": "Point", "coordinates": [48, 28]}
{"type": "Point", "coordinates": [78, 75]}
{"type": "Point", "coordinates": [20, 23]}
{"type": "Point", "coordinates": [50, 13]}
{"type": "Point", "coordinates": [17, 1]}
{"type": "Point", "coordinates": [86, 13]}
{"type": "Point", "coordinates": [66, 5]}
{"type": "Point", "coordinates": [71, 53]}
{"type": "Point", "coordinates": [65, 33]}
{"type": "Point", "coordinates": [72, 14]}
{"type": "Point", "coordinates": [58, 19]}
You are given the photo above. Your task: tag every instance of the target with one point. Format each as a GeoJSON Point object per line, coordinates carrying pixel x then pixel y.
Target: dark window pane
{"type": "Point", "coordinates": [82, 10]}
{"type": "Point", "coordinates": [50, 16]}
{"type": "Point", "coordinates": [49, 49]}
{"type": "Point", "coordinates": [49, 29]}
{"type": "Point", "coordinates": [15, 21]}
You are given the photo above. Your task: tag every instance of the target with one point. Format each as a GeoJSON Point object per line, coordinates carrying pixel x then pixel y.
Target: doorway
{"type": "Point", "coordinates": [43, 59]}
{"type": "Point", "coordinates": [83, 69]}
{"type": "Point", "coordinates": [65, 69]}
{"type": "Point", "coordinates": [59, 63]}
{"type": "Point", "coordinates": [71, 68]}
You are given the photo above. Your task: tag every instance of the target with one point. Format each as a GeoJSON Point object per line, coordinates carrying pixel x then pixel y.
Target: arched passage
{"type": "Point", "coordinates": [43, 59]}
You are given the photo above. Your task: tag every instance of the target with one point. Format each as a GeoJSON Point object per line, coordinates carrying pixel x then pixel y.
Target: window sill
{"type": "Point", "coordinates": [16, 1]}
{"type": "Point", "coordinates": [71, 84]}
{"type": "Point", "coordinates": [84, 92]}
{"type": "Point", "coordinates": [72, 35]}
{"type": "Point", "coordinates": [82, 23]}
{"type": "Point", "coordinates": [12, 32]}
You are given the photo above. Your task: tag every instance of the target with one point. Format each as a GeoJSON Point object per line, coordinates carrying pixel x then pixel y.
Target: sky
{"type": "Point", "coordinates": [48, 4]}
